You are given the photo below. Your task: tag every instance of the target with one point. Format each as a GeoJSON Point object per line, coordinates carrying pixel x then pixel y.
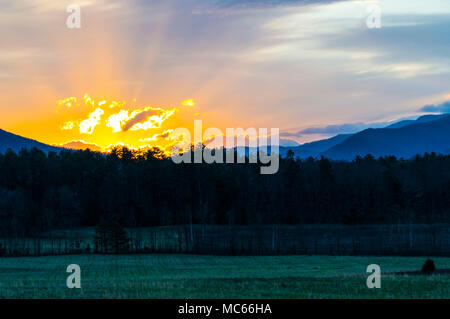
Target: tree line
{"type": "Point", "coordinates": [41, 192]}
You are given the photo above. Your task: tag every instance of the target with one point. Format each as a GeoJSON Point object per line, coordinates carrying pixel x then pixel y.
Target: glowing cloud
{"type": "Point", "coordinates": [69, 102]}
{"type": "Point", "coordinates": [188, 103]}
{"type": "Point", "coordinates": [147, 119]}
{"type": "Point", "coordinates": [88, 100]}
{"type": "Point", "coordinates": [164, 135]}
{"type": "Point", "coordinates": [87, 126]}
{"type": "Point", "coordinates": [116, 121]}
{"type": "Point", "coordinates": [67, 126]}
{"type": "Point", "coordinates": [113, 123]}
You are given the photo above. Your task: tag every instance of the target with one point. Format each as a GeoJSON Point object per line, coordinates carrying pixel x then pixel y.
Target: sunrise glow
{"type": "Point", "coordinates": [99, 85]}
{"type": "Point", "coordinates": [108, 123]}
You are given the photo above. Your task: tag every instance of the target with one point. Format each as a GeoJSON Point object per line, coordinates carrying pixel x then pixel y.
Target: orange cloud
{"type": "Point", "coordinates": [114, 123]}
{"type": "Point", "coordinates": [87, 126]}
{"type": "Point", "coordinates": [147, 119]}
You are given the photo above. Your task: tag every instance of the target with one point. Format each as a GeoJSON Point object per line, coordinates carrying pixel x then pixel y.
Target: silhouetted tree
{"type": "Point", "coordinates": [111, 238]}
{"type": "Point", "coordinates": [41, 192]}
{"type": "Point", "coordinates": [428, 267]}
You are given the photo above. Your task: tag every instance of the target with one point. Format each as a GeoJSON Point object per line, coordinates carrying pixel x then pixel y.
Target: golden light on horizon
{"type": "Point", "coordinates": [189, 102]}
{"type": "Point", "coordinates": [113, 123]}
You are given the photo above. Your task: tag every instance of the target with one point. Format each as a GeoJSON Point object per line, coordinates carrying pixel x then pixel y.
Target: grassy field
{"type": "Point", "coordinates": [191, 276]}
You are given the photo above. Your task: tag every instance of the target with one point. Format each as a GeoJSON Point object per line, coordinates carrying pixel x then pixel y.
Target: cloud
{"type": "Point", "coordinates": [289, 134]}
{"type": "Point", "coordinates": [87, 126]}
{"type": "Point", "coordinates": [119, 123]}
{"type": "Point", "coordinates": [167, 135]}
{"type": "Point", "coordinates": [270, 3]}
{"type": "Point", "coordinates": [281, 63]}
{"type": "Point", "coordinates": [437, 108]}
{"type": "Point", "coordinates": [406, 46]}
{"type": "Point", "coordinates": [248, 4]}
{"type": "Point", "coordinates": [230, 8]}
{"type": "Point", "coordinates": [147, 119]}
{"type": "Point", "coordinates": [139, 117]}
{"type": "Point", "coordinates": [335, 129]}
{"type": "Point", "coordinates": [67, 126]}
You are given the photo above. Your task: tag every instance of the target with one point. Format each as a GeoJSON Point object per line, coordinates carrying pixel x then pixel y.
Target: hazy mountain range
{"type": "Point", "coordinates": [80, 145]}
{"type": "Point", "coordinates": [16, 143]}
{"type": "Point", "coordinates": [428, 133]}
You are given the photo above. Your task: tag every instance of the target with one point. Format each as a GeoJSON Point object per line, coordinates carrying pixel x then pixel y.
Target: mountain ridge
{"type": "Point", "coordinates": [407, 138]}
{"type": "Point", "coordinates": [16, 143]}
{"type": "Point", "coordinates": [407, 141]}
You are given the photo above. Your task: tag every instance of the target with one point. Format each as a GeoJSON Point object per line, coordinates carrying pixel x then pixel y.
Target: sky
{"type": "Point", "coordinates": [137, 69]}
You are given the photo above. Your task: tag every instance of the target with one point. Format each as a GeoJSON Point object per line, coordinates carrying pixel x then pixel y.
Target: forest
{"type": "Point", "coordinates": [41, 192]}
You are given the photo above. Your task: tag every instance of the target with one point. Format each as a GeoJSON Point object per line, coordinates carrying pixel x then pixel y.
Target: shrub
{"type": "Point", "coordinates": [428, 267]}
{"type": "Point", "coordinates": [111, 238]}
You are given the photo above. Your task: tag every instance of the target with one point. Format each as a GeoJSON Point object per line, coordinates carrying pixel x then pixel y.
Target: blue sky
{"type": "Point", "coordinates": [302, 66]}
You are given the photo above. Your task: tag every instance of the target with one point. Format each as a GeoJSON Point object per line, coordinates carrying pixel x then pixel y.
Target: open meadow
{"type": "Point", "coordinates": [194, 276]}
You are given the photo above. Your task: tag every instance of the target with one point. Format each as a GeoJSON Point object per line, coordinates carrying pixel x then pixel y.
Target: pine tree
{"type": "Point", "coordinates": [111, 238]}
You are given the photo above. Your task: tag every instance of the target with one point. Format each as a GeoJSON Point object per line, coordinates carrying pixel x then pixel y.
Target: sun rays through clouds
{"type": "Point", "coordinates": [106, 123]}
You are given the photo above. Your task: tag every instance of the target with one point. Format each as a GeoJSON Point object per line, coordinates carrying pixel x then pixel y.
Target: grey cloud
{"type": "Point", "coordinates": [164, 135]}
{"type": "Point", "coordinates": [249, 3]}
{"type": "Point", "coordinates": [269, 3]}
{"type": "Point", "coordinates": [140, 117]}
{"type": "Point", "coordinates": [437, 108]}
{"type": "Point", "coordinates": [289, 134]}
{"type": "Point", "coordinates": [423, 42]}
{"type": "Point", "coordinates": [336, 129]}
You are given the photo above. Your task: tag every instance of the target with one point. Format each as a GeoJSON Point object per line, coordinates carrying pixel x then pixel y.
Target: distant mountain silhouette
{"type": "Point", "coordinates": [305, 150]}
{"type": "Point", "coordinates": [427, 134]}
{"type": "Point", "coordinates": [80, 145]}
{"type": "Point", "coordinates": [16, 143]}
{"type": "Point", "coordinates": [285, 142]}
{"type": "Point", "coordinates": [422, 119]}
{"type": "Point", "coordinates": [314, 149]}
{"type": "Point", "coordinates": [407, 138]}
